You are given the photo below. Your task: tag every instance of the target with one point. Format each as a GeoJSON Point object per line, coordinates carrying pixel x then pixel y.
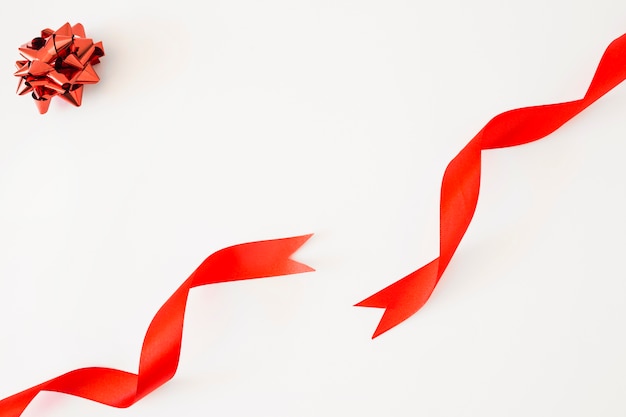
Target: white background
{"type": "Point", "coordinates": [222, 122]}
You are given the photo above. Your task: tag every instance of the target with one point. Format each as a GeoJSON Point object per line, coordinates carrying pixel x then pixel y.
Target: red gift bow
{"type": "Point", "coordinates": [461, 182]}
{"type": "Point", "coordinates": [161, 346]}
{"type": "Point", "coordinates": [58, 63]}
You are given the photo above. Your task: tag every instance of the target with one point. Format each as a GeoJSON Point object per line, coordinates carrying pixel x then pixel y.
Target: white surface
{"type": "Point", "coordinates": [224, 122]}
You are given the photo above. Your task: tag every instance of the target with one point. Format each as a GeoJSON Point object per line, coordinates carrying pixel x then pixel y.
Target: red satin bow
{"type": "Point", "coordinates": [161, 346]}
{"type": "Point", "coordinates": [461, 182]}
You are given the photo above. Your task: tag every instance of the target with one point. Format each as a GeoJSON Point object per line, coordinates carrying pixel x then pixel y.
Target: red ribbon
{"type": "Point", "coordinates": [161, 346]}
{"type": "Point", "coordinates": [461, 183]}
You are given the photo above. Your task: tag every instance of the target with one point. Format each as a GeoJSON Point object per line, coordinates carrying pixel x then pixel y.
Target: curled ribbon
{"type": "Point", "coordinates": [461, 183]}
{"type": "Point", "coordinates": [161, 346]}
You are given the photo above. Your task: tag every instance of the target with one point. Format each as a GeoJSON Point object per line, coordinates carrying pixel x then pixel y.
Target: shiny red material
{"type": "Point", "coordinates": [161, 346]}
{"type": "Point", "coordinates": [59, 63]}
{"type": "Point", "coordinates": [461, 182]}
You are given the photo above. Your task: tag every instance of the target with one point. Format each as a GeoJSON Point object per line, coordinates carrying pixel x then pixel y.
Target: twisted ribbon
{"type": "Point", "coordinates": [161, 346]}
{"type": "Point", "coordinates": [461, 183]}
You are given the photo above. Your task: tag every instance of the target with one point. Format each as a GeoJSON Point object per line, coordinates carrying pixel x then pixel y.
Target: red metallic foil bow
{"type": "Point", "coordinates": [461, 182]}
{"type": "Point", "coordinates": [161, 346]}
{"type": "Point", "coordinates": [59, 63]}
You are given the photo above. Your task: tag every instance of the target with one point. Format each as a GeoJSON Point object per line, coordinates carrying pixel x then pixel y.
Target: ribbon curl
{"type": "Point", "coordinates": [461, 183]}
{"type": "Point", "coordinates": [160, 351]}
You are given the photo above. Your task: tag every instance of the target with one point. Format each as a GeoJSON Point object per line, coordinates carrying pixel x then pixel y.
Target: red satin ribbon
{"type": "Point", "coordinates": [461, 182]}
{"type": "Point", "coordinates": [161, 346]}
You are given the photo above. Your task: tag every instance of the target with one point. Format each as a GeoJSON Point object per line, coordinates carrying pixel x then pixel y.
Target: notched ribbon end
{"type": "Point", "coordinates": [299, 267]}
{"type": "Point", "coordinates": [394, 313]}
{"type": "Point", "coordinates": [403, 298]}
{"type": "Point", "coordinates": [388, 321]}
{"type": "Point", "coordinates": [281, 254]}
